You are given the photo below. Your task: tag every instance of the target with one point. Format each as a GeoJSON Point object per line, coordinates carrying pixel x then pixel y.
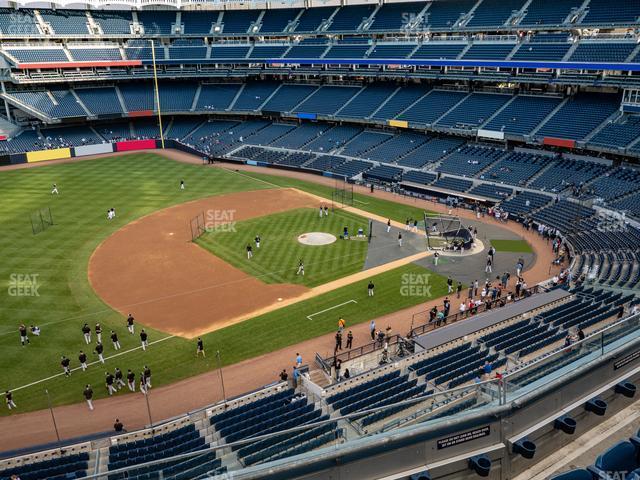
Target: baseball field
{"type": "Point", "coordinates": [87, 269]}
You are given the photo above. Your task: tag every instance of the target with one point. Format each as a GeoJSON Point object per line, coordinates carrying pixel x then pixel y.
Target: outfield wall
{"type": "Point", "coordinates": [81, 151]}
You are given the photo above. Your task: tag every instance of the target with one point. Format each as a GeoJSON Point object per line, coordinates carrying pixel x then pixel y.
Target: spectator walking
{"type": "Point", "coordinates": [130, 325]}
{"type": "Point", "coordinates": [24, 339]}
{"type": "Point", "coordinates": [88, 395]}
{"type": "Point", "coordinates": [114, 339]}
{"type": "Point", "coordinates": [200, 348]}
{"type": "Point", "coordinates": [118, 427]}
{"type": "Point", "coordinates": [147, 376]}
{"type": "Point", "coordinates": [143, 339]}
{"type": "Point", "coordinates": [82, 358]}
{"type": "Point", "coordinates": [131, 380]}
{"type": "Point", "coordinates": [86, 331]}
{"type": "Point", "coordinates": [64, 363]}
{"type": "Point", "coordinates": [108, 381]}
{"type": "Point", "coordinates": [99, 349]}
{"type": "Point", "coordinates": [8, 396]}
{"type": "Point", "coordinates": [118, 376]}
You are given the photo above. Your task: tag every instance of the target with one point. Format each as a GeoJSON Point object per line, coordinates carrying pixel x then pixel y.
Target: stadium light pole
{"type": "Point", "coordinates": [55, 425]}
{"type": "Point", "coordinates": [224, 395]}
{"type": "Point", "coordinates": [146, 397]}
{"type": "Point", "coordinates": [157, 93]}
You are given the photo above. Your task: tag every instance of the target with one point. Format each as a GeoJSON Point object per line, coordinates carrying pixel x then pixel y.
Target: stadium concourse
{"type": "Point", "coordinates": [194, 393]}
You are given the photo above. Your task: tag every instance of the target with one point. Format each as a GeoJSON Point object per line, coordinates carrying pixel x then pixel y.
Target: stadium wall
{"type": "Point", "coordinates": [82, 151]}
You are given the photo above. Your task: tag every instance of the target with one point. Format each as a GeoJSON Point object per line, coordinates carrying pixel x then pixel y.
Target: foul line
{"type": "Point", "coordinates": [88, 364]}
{"type": "Point", "coordinates": [330, 308]}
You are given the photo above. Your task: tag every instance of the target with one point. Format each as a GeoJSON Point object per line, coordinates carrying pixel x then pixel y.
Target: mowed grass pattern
{"type": "Point", "coordinates": [135, 185]}
{"type": "Point", "coordinates": [517, 246]}
{"type": "Point", "coordinates": [276, 261]}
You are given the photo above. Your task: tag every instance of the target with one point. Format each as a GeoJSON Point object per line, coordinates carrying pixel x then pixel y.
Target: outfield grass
{"type": "Point", "coordinates": [386, 209]}
{"type": "Point", "coordinates": [135, 185]}
{"type": "Point", "coordinates": [277, 259]}
{"type": "Point", "coordinates": [517, 246]}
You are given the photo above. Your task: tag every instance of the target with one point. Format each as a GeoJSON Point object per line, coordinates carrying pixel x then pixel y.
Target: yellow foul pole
{"type": "Point", "coordinates": [155, 81]}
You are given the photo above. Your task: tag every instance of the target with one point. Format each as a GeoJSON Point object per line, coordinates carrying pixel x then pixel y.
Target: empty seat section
{"type": "Point", "coordinates": [306, 51]}
{"type": "Point", "coordinates": [287, 97]}
{"type": "Point", "coordinates": [516, 168]}
{"type": "Point", "coordinates": [334, 138]}
{"type": "Point", "coordinates": [438, 50]}
{"type": "Point", "coordinates": [253, 95]}
{"type": "Point", "coordinates": [474, 110]}
{"type": "Point", "coordinates": [200, 22]}
{"type": "Point", "coordinates": [276, 20]}
{"type": "Point", "coordinates": [429, 152]}
{"type": "Point", "coordinates": [21, 22]}
{"type": "Point", "coordinates": [606, 12]}
{"type": "Point", "coordinates": [366, 102]}
{"type": "Point", "coordinates": [229, 52]}
{"type": "Point", "coordinates": [363, 142]}
{"type": "Point", "coordinates": [488, 51]}
{"type": "Point", "coordinates": [431, 107]}
{"type": "Point", "coordinates": [238, 21]}
{"type": "Point", "coordinates": [391, 51]}
{"type": "Point", "coordinates": [312, 18]}
{"type": "Point", "coordinates": [580, 116]}
{"type": "Point", "coordinates": [618, 134]}
{"type": "Point", "coordinates": [38, 55]}
{"type": "Point", "coordinates": [100, 100]}
{"type": "Point", "coordinates": [66, 22]}
{"type": "Point", "coordinates": [469, 160]}
{"type": "Point", "coordinates": [349, 18]}
{"type": "Point", "coordinates": [157, 22]}
{"type": "Point", "coordinates": [347, 51]}
{"type": "Point", "coordinates": [396, 147]}
{"type": "Point", "coordinates": [400, 101]}
{"type": "Point", "coordinates": [113, 23]}
{"type": "Point", "coordinates": [95, 54]}
{"type": "Point", "coordinates": [327, 100]}
{"type": "Point", "coordinates": [543, 12]}
{"type": "Point", "coordinates": [217, 96]}
{"type": "Point", "coordinates": [541, 51]}
{"type": "Point", "coordinates": [493, 13]}
{"type": "Point", "coordinates": [523, 114]}
{"type": "Point", "coordinates": [602, 52]}
{"type": "Point", "coordinates": [445, 15]}
{"type": "Point", "coordinates": [268, 51]}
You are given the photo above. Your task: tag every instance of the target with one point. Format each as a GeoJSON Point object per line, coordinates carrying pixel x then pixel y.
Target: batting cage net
{"type": "Point", "coordinates": [342, 195]}
{"type": "Point", "coordinates": [198, 226]}
{"type": "Point", "coordinates": [445, 232]}
{"type": "Point", "coordinates": [41, 220]}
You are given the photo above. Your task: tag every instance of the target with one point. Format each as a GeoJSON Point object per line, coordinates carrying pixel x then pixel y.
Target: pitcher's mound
{"type": "Point", "coordinates": [316, 238]}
